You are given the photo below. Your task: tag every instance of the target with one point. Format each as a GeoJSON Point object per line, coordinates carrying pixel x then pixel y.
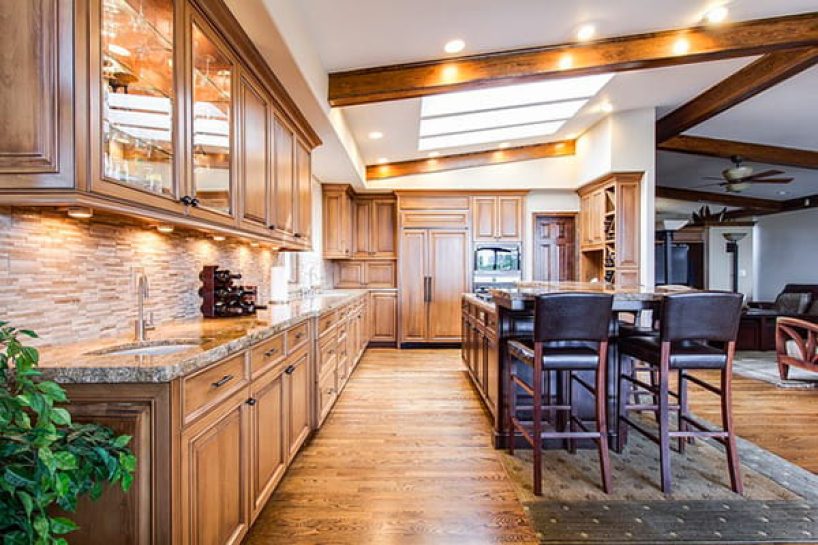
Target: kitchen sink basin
{"type": "Point", "coordinates": [158, 348]}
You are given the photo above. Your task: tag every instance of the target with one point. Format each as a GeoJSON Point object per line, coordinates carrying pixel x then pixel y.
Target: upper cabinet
{"type": "Point", "coordinates": [337, 221]}
{"type": "Point", "coordinates": [158, 108]}
{"type": "Point", "coordinates": [497, 218]}
{"type": "Point", "coordinates": [358, 226]}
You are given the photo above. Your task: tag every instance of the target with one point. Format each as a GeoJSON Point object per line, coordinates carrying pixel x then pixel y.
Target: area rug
{"type": "Point", "coordinates": [762, 366]}
{"type": "Point", "coordinates": [780, 504]}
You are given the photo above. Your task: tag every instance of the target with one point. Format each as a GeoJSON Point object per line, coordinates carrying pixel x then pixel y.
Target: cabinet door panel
{"type": "Point", "coordinates": [304, 182]}
{"type": "Point", "coordinates": [284, 177]}
{"type": "Point", "coordinates": [214, 476]}
{"type": "Point", "coordinates": [36, 143]}
{"type": "Point", "coordinates": [350, 274]}
{"type": "Point", "coordinates": [383, 228]}
{"type": "Point", "coordinates": [254, 154]}
{"type": "Point", "coordinates": [510, 211]}
{"type": "Point", "coordinates": [485, 217]}
{"type": "Point", "coordinates": [383, 319]}
{"type": "Point", "coordinates": [413, 273]}
{"type": "Point", "coordinates": [362, 221]}
{"type": "Point", "coordinates": [449, 273]}
{"type": "Point", "coordinates": [380, 274]}
{"type": "Point", "coordinates": [269, 456]}
{"type": "Point", "coordinates": [299, 402]}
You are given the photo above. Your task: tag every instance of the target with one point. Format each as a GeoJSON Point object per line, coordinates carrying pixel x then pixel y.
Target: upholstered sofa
{"type": "Point", "coordinates": [757, 327]}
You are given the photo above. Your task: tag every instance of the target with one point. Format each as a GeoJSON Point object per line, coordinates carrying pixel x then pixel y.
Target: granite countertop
{"type": "Point", "coordinates": [528, 291]}
{"type": "Point", "coordinates": [488, 306]}
{"type": "Point", "coordinates": [213, 340]}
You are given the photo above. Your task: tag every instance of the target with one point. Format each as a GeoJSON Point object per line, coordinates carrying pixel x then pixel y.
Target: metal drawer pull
{"type": "Point", "coordinates": [270, 352]}
{"type": "Point", "coordinates": [222, 381]}
{"type": "Point", "coordinates": [289, 370]}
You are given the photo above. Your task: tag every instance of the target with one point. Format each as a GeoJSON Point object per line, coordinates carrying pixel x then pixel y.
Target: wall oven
{"type": "Point", "coordinates": [497, 265]}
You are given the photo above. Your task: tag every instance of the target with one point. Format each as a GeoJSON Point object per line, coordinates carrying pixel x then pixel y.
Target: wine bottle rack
{"type": "Point", "coordinates": [222, 298]}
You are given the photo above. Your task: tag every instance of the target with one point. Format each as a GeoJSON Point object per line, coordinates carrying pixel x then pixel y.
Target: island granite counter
{"type": "Point", "coordinates": [216, 424]}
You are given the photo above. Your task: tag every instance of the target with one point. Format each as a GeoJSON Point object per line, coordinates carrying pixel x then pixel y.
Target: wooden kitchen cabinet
{"type": "Point", "coordinates": [299, 400]}
{"type": "Point", "coordinates": [269, 450]}
{"type": "Point", "coordinates": [337, 221]}
{"type": "Point", "coordinates": [383, 307]}
{"type": "Point", "coordinates": [215, 455]}
{"type": "Point", "coordinates": [177, 135]}
{"type": "Point", "coordinates": [374, 227]}
{"type": "Point", "coordinates": [365, 274]}
{"type": "Point", "coordinates": [497, 218]}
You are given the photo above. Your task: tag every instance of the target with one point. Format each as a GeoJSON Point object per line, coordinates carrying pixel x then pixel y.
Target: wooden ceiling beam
{"type": "Point", "coordinates": [726, 199]}
{"type": "Point", "coordinates": [760, 153]}
{"type": "Point", "coordinates": [790, 205]}
{"type": "Point", "coordinates": [763, 73]}
{"type": "Point", "coordinates": [635, 52]}
{"type": "Point", "coordinates": [469, 160]}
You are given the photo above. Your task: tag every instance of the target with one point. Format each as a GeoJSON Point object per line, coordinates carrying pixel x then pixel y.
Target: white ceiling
{"type": "Point", "coordinates": [785, 115]}
{"type": "Point", "coordinates": [363, 33]}
{"type": "Point", "coordinates": [686, 171]}
{"type": "Point", "coordinates": [664, 88]}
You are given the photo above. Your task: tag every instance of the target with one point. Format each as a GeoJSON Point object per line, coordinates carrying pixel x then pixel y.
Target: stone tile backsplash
{"type": "Point", "coordinates": [72, 280]}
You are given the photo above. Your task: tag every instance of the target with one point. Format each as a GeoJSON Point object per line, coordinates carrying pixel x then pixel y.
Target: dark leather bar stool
{"type": "Point", "coordinates": [697, 331]}
{"type": "Point", "coordinates": [570, 335]}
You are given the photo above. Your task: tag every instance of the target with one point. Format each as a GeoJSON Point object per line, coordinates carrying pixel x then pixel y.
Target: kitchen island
{"type": "Point", "coordinates": [217, 408]}
{"type": "Point", "coordinates": [488, 325]}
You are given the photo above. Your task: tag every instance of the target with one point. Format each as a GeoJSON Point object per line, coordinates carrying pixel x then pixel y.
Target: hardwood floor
{"type": "Point", "coordinates": [404, 458]}
{"type": "Point", "coordinates": [783, 421]}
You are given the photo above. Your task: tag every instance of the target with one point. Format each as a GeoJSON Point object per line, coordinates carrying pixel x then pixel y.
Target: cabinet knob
{"type": "Point", "coordinates": [270, 352]}
{"type": "Point", "coordinates": [297, 235]}
{"type": "Point", "coordinates": [252, 401]}
{"type": "Point", "coordinates": [271, 227]}
{"type": "Point", "coordinates": [290, 370]}
{"type": "Point", "coordinates": [187, 200]}
{"type": "Point", "coordinates": [194, 202]}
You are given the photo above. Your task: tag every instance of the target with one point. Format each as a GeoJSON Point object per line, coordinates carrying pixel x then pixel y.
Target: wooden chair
{"type": "Point", "coordinates": [796, 345]}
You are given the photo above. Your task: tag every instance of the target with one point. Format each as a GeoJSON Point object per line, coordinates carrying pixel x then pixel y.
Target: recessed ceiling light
{"type": "Point", "coordinates": [219, 238]}
{"type": "Point", "coordinates": [681, 46]}
{"type": "Point", "coordinates": [382, 160]}
{"type": "Point", "coordinates": [716, 15]}
{"type": "Point", "coordinates": [503, 145]}
{"type": "Point", "coordinates": [164, 228]}
{"type": "Point", "coordinates": [375, 135]}
{"type": "Point", "coordinates": [606, 107]}
{"type": "Point", "coordinates": [79, 212]}
{"type": "Point", "coordinates": [586, 32]}
{"type": "Point", "coordinates": [434, 154]}
{"type": "Point", "coordinates": [454, 46]}
{"type": "Point", "coordinates": [566, 62]}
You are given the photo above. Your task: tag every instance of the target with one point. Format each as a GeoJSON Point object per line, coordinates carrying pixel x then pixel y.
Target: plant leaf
{"type": "Point", "coordinates": [62, 525]}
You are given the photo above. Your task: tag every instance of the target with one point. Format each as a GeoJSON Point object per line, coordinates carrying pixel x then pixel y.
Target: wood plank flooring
{"type": "Point", "coordinates": [404, 458]}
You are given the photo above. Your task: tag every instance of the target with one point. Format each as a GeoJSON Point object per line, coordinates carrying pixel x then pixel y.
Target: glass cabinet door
{"type": "Point", "coordinates": [212, 119]}
{"type": "Point", "coordinates": [138, 102]}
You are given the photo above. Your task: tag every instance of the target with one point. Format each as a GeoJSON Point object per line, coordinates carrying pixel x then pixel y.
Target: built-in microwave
{"type": "Point", "coordinates": [497, 259]}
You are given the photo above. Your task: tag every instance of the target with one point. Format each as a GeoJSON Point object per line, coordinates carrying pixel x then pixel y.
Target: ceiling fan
{"type": "Point", "coordinates": [741, 177]}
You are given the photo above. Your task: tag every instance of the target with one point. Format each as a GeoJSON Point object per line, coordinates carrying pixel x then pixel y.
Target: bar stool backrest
{"type": "Point", "coordinates": [572, 317]}
{"type": "Point", "coordinates": [705, 316]}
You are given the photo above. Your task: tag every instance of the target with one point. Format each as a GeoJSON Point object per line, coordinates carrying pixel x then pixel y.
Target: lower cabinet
{"type": "Point", "coordinates": [298, 401]}
{"type": "Point", "coordinates": [269, 451]}
{"type": "Point", "coordinates": [383, 307]}
{"type": "Point", "coordinates": [214, 474]}
{"type": "Point", "coordinates": [480, 352]}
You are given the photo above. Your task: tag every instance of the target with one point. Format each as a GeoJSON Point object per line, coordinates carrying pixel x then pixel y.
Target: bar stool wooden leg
{"type": "Point", "coordinates": [537, 417]}
{"type": "Point", "coordinates": [572, 443]}
{"type": "Point", "coordinates": [727, 423]}
{"type": "Point", "coordinates": [681, 422]}
{"type": "Point", "coordinates": [664, 418]}
{"type": "Point", "coordinates": [602, 419]}
{"type": "Point", "coordinates": [511, 403]}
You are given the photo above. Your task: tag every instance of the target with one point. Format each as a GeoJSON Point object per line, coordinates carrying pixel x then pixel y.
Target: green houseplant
{"type": "Point", "coordinates": [47, 462]}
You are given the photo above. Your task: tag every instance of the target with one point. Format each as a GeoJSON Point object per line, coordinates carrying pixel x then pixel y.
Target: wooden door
{"type": "Point", "coordinates": [303, 168]}
{"type": "Point", "coordinates": [254, 158]}
{"type": "Point", "coordinates": [383, 317]}
{"type": "Point", "coordinates": [510, 219]}
{"type": "Point", "coordinates": [37, 90]}
{"type": "Point", "coordinates": [554, 248]}
{"type": "Point", "coordinates": [382, 230]}
{"type": "Point", "coordinates": [362, 221]}
{"type": "Point", "coordinates": [413, 285]}
{"type": "Point", "coordinates": [449, 274]}
{"type": "Point", "coordinates": [298, 401]}
{"type": "Point", "coordinates": [283, 142]}
{"type": "Point", "coordinates": [484, 221]}
{"type": "Point", "coordinates": [268, 434]}
{"type": "Point", "coordinates": [214, 474]}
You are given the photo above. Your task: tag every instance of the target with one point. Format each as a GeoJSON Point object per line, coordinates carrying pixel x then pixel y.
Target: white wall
{"type": "Point", "coordinates": [720, 263]}
{"type": "Point", "coordinates": [786, 251]}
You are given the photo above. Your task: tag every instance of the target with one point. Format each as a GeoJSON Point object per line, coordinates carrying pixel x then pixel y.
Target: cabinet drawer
{"type": "Point", "coordinates": [328, 356]}
{"type": "Point", "coordinates": [297, 336]}
{"type": "Point", "coordinates": [454, 219]}
{"type": "Point", "coordinates": [209, 386]}
{"type": "Point", "coordinates": [326, 321]}
{"type": "Point", "coordinates": [266, 354]}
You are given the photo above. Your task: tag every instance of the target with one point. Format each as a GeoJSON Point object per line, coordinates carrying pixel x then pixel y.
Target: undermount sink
{"type": "Point", "coordinates": [158, 348]}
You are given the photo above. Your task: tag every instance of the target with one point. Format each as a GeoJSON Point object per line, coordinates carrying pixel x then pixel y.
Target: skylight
{"type": "Point", "coordinates": [504, 113]}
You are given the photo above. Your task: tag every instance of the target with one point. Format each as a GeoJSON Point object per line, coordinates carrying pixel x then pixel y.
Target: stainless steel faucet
{"type": "Point", "coordinates": [142, 325]}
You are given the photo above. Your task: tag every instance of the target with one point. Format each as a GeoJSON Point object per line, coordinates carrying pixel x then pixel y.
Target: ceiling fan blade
{"type": "Point", "coordinates": [772, 181]}
{"type": "Point", "coordinates": [712, 178]}
{"type": "Point", "coordinates": [765, 174]}
{"type": "Point", "coordinates": [708, 185]}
